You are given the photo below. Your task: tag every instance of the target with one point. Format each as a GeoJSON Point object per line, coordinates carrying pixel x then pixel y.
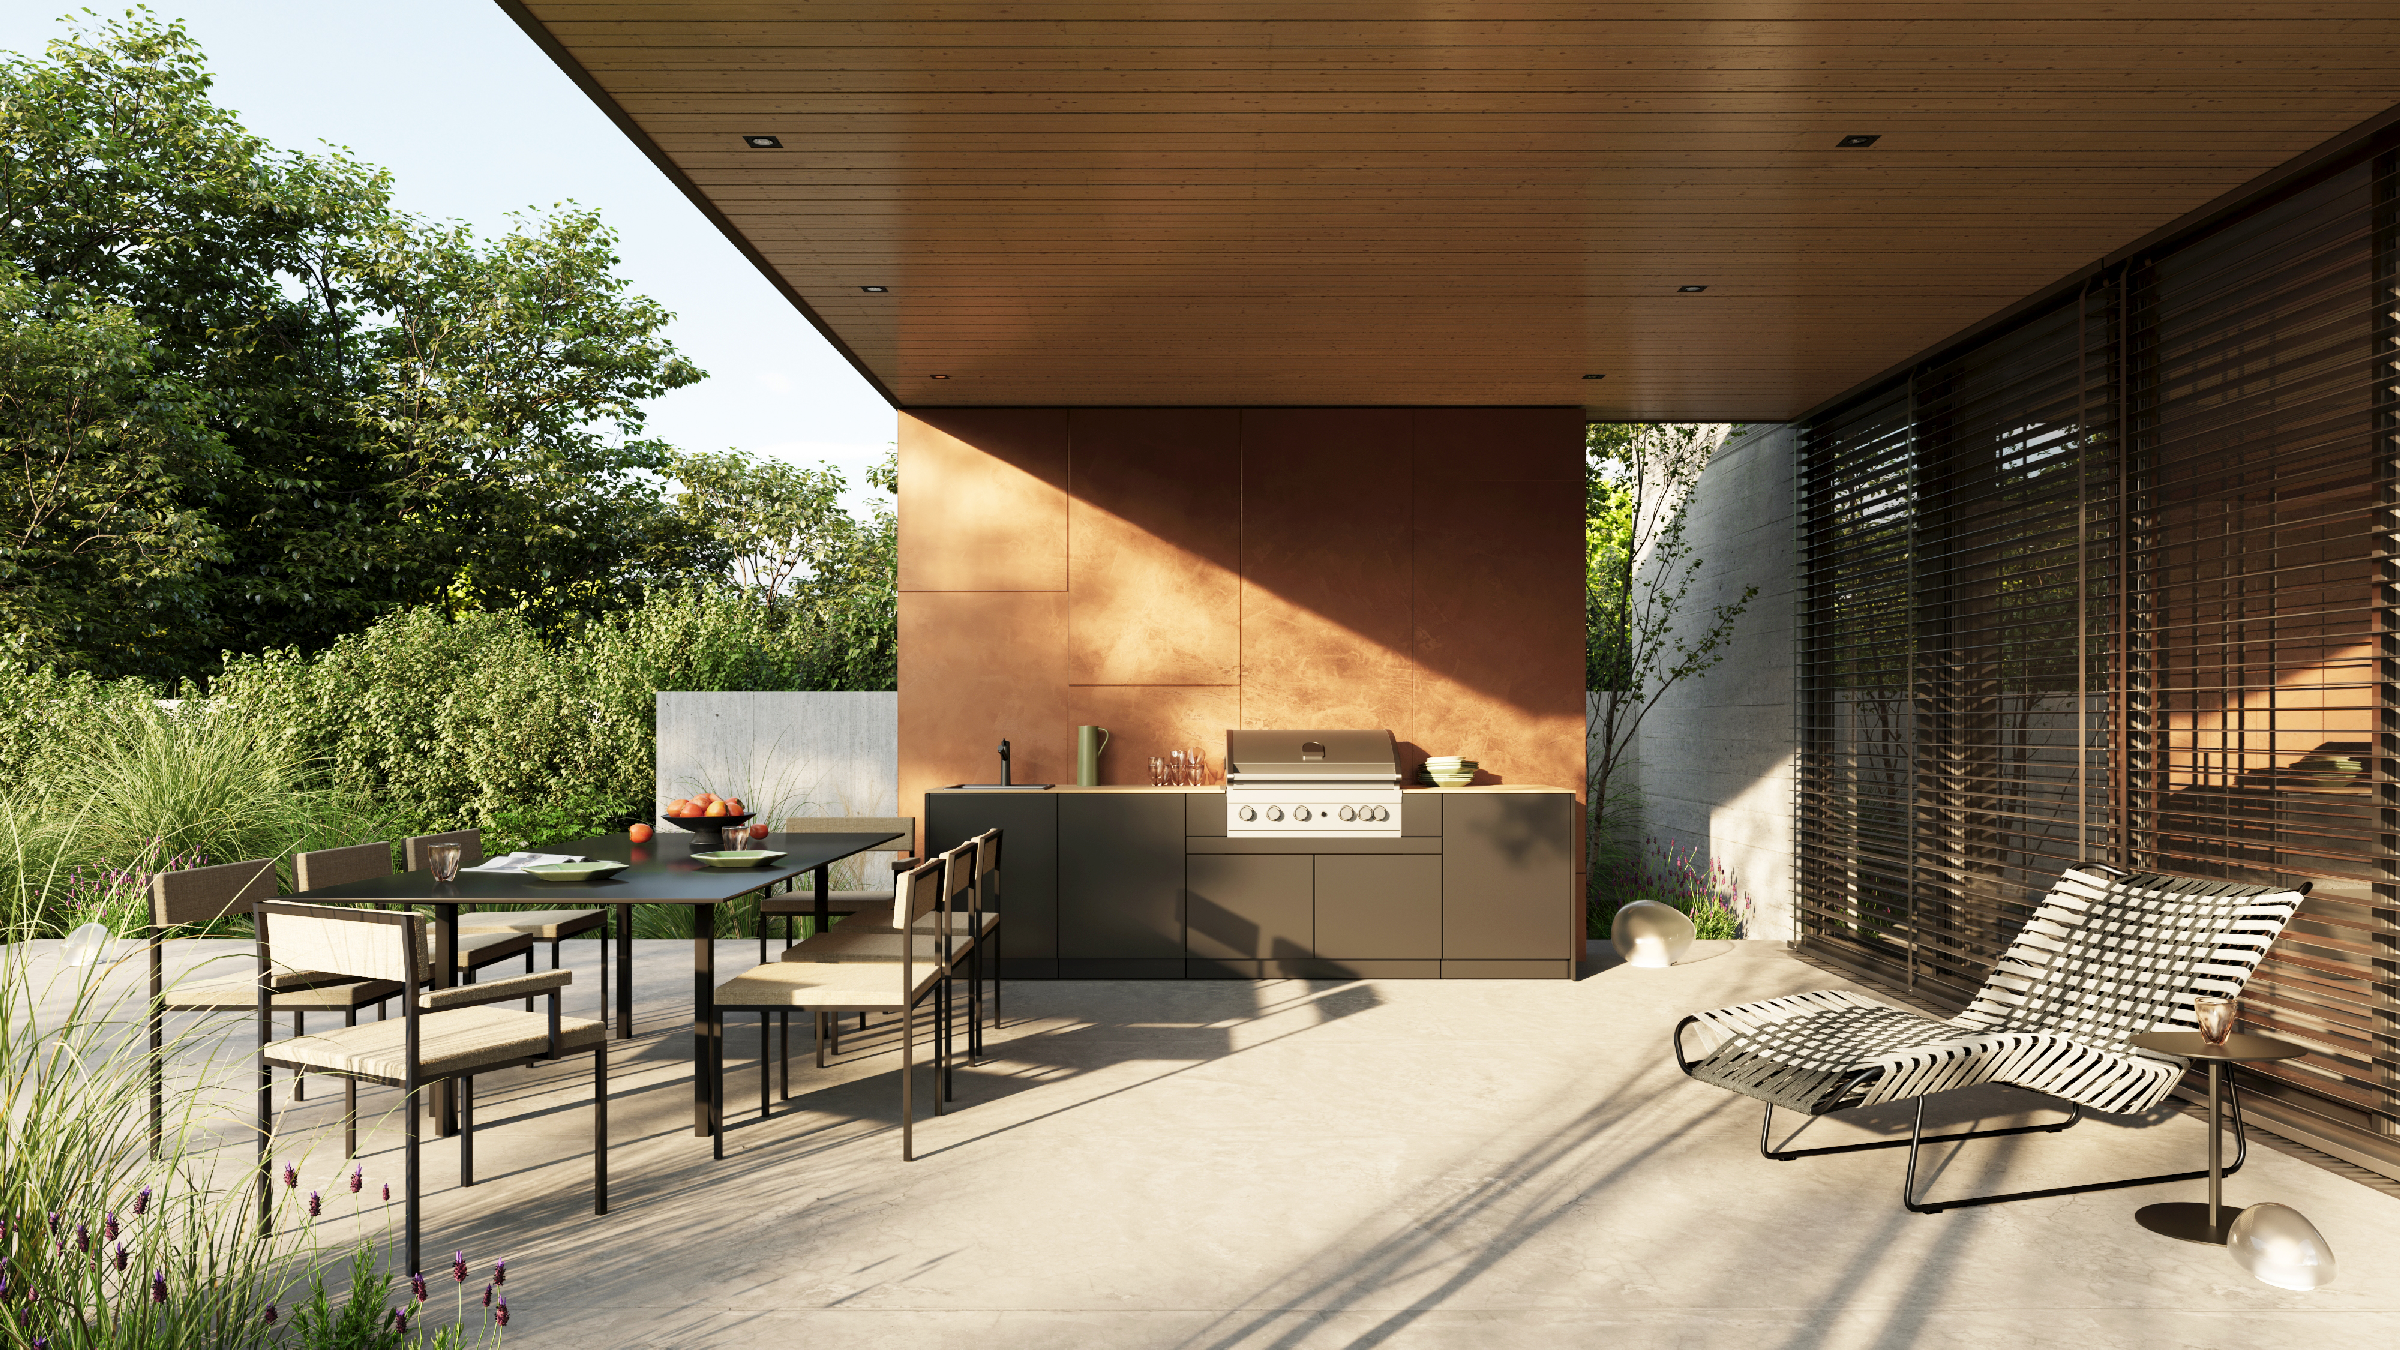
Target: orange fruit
{"type": "Point", "coordinates": [759, 831]}
{"type": "Point", "coordinates": [716, 809]}
{"type": "Point", "coordinates": [640, 833]}
{"type": "Point", "coordinates": [680, 807]}
{"type": "Point", "coordinates": [734, 804]}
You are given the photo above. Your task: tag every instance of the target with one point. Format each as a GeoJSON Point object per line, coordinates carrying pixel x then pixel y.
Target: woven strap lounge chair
{"type": "Point", "coordinates": [2108, 955]}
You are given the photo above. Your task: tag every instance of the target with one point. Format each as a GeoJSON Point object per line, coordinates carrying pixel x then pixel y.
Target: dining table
{"type": "Point", "coordinates": [662, 871]}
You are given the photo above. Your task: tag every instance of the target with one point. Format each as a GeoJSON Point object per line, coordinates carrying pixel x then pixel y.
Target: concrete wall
{"type": "Point", "coordinates": [1172, 573]}
{"type": "Point", "coordinates": [812, 754]}
{"type": "Point", "coordinates": [1716, 752]}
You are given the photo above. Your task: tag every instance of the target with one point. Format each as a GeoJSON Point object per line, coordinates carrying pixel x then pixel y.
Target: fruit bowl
{"type": "Point", "coordinates": [708, 829]}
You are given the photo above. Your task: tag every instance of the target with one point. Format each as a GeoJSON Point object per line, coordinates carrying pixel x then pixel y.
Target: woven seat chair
{"type": "Point", "coordinates": [794, 904]}
{"type": "Point", "coordinates": [945, 937]}
{"type": "Point", "coordinates": [202, 895]}
{"type": "Point", "coordinates": [831, 988]}
{"type": "Point", "coordinates": [441, 1034]}
{"type": "Point", "coordinates": [970, 879]}
{"type": "Point", "coordinates": [2108, 955]}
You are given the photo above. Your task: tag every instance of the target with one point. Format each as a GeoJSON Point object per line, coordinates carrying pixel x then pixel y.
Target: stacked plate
{"type": "Point", "coordinates": [1449, 770]}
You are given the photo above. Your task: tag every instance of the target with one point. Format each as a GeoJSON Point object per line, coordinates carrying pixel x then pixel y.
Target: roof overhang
{"type": "Point", "coordinates": [1360, 202]}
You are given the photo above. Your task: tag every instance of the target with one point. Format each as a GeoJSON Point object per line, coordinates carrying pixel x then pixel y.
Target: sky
{"type": "Point", "coordinates": [475, 122]}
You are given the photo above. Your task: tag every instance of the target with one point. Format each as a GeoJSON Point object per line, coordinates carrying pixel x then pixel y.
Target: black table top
{"type": "Point", "coordinates": [2242, 1047]}
{"type": "Point", "coordinates": [663, 873]}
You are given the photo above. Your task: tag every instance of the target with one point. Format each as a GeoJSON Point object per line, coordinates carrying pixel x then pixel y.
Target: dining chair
{"type": "Point", "coordinates": [795, 904]}
{"type": "Point", "coordinates": [441, 1034]}
{"type": "Point", "coordinates": [365, 862]}
{"type": "Point", "coordinates": [201, 895]}
{"type": "Point", "coordinates": [946, 936]}
{"type": "Point", "coordinates": [479, 945]}
{"type": "Point", "coordinates": [831, 988]}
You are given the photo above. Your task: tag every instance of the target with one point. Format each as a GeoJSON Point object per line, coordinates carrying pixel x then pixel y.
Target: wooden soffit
{"type": "Point", "coordinates": [1377, 202]}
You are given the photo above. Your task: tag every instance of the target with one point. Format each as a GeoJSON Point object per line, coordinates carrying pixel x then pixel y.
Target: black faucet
{"type": "Point", "coordinates": [1004, 764]}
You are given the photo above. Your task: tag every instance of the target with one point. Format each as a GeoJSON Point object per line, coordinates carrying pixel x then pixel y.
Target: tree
{"type": "Point", "coordinates": [303, 410]}
{"type": "Point", "coordinates": [1641, 570]}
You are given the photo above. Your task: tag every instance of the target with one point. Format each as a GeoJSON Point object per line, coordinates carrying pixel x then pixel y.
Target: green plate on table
{"type": "Point", "coordinates": [738, 857]}
{"type": "Point", "coordinates": [576, 871]}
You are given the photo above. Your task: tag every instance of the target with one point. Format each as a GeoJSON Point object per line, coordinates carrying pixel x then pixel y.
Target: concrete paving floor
{"type": "Point", "coordinates": [1212, 1165]}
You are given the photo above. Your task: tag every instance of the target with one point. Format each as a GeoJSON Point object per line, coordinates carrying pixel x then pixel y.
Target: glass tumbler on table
{"type": "Point", "coordinates": [2216, 1018]}
{"type": "Point", "coordinates": [443, 859]}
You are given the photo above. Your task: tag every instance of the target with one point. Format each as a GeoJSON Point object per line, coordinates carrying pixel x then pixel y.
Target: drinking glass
{"type": "Point", "coordinates": [1199, 768]}
{"type": "Point", "coordinates": [1175, 769]}
{"type": "Point", "coordinates": [444, 860]}
{"type": "Point", "coordinates": [2216, 1018]}
{"type": "Point", "coordinates": [1158, 772]}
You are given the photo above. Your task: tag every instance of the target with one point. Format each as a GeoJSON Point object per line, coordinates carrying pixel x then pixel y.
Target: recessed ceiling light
{"type": "Point", "coordinates": [874, 290]}
{"type": "Point", "coordinates": [762, 142]}
{"type": "Point", "coordinates": [1691, 290]}
{"type": "Point", "coordinates": [941, 377]}
{"type": "Point", "coordinates": [1855, 142]}
{"type": "Point", "coordinates": [1595, 377]}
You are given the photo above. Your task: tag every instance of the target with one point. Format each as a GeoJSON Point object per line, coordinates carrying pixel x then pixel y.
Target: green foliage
{"type": "Point", "coordinates": [1709, 894]}
{"type": "Point", "coordinates": [251, 406]}
{"type": "Point", "coordinates": [363, 1321]}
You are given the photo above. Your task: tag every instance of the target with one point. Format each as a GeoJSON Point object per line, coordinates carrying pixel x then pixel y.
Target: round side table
{"type": "Point", "coordinates": [2184, 1219]}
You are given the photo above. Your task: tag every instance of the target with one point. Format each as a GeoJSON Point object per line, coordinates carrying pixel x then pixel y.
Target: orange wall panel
{"type": "Point", "coordinates": [977, 666]}
{"type": "Point", "coordinates": [1153, 530]}
{"type": "Point", "coordinates": [983, 504]}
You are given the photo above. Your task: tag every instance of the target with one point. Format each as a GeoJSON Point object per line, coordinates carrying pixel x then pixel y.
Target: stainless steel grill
{"type": "Point", "coordinates": [1312, 784]}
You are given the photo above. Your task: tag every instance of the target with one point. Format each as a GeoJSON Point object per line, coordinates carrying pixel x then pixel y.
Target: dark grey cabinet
{"type": "Point", "coordinates": [1028, 899]}
{"type": "Point", "coordinates": [1507, 876]}
{"type": "Point", "coordinates": [1120, 885]}
{"type": "Point", "coordinates": [1378, 907]}
{"type": "Point", "coordinates": [1249, 906]}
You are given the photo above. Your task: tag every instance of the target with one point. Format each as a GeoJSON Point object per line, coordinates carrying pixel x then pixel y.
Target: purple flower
{"type": "Point", "coordinates": [400, 1320]}
{"type": "Point", "coordinates": [358, 1178]}
{"type": "Point", "coordinates": [500, 1271]}
{"type": "Point", "coordinates": [291, 1177]}
{"type": "Point", "coordinates": [108, 1226]}
{"type": "Point", "coordinates": [458, 1267]}
{"type": "Point", "coordinates": [270, 1314]}
{"type": "Point", "coordinates": [487, 1296]}
{"type": "Point", "coordinates": [54, 1221]}
{"type": "Point", "coordinates": [387, 1192]}
{"type": "Point", "coordinates": [500, 1313]}
{"type": "Point", "coordinates": [5, 1292]}
{"type": "Point", "coordinates": [316, 1205]}
{"type": "Point", "coordinates": [158, 1286]}
{"type": "Point", "coordinates": [41, 1343]}
{"type": "Point", "coordinates": [416, 1284]}
{"type": "Point", "coordinates": [83, 1237]}
{"type": "Point", "coordinates": [141, 1203]}
{"type": "Point", "coordinates": [120, 1256]}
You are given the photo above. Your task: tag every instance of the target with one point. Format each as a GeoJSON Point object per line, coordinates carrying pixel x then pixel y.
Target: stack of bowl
{"type": "Point", "coordinates": [1449, 770]}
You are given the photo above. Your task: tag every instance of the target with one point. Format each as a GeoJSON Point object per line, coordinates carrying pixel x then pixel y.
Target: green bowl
{"type": "Point", "coordinates": [576, 871]}
{"type": "Point", "coordinates": [737, 857]}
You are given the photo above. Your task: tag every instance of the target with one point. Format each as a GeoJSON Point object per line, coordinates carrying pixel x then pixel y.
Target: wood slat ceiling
{"type": "Point", "coordinates": [1372, 202]}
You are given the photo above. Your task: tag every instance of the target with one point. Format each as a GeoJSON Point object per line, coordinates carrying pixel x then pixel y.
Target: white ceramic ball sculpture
{"type": "Point", "coordinates": [1650, 934]}
{"type": "Point", "coordinates": [2278, 1245]}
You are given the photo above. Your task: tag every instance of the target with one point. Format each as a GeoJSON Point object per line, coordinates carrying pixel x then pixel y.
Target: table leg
{"type": "Point", "coordinates": [624, 972]}
{"type": "Point", "coordinates": [824, 876]}
{"type": "Point", "coordinates": [2216, 1152]}
{"type": "Point", "coordinates": [445, 974]}
{"type": "Point", "coordinates": [704, 1016]}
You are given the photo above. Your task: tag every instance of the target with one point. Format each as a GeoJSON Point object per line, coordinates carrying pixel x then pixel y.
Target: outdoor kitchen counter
{"type": "Point", "coordinates": [1133, 882]}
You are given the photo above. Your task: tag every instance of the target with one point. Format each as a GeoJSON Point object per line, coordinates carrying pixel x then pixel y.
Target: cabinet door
{"type": "Point", "coordinates": [1028, 898]}
{"type": "Point", "coordinates": [1379, 907]}
{"type": "Point", "coordinates": [1508, 879]}
{"type": "Point", "coordinates": [1249, 905]}
{"type": "Point", "coordinates": [1120, 881]}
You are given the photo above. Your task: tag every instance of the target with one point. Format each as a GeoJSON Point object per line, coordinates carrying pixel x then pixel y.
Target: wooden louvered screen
{"type": "Point", "coordinates": [2118, 583]}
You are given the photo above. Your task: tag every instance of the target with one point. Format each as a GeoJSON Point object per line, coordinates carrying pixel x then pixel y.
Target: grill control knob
{"type": "Point", "coordinates": [1249, 813]}
{"type": "Point", "coordinates": [1349, 813]}
{"type": "Point", "coordinates": [1299, 813]}
{"type": "Point", "coordinates": [1274, 813]}
{"type": "Point", "coordinates": [1383, 813]}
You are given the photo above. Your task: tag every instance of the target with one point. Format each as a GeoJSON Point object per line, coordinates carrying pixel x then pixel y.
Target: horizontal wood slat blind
{"type": "Point", "coordinates": [2120, 583]}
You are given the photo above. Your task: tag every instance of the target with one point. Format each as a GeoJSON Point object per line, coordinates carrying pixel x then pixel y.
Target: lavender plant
{"type": "Point", "coordinates": [1675, 875]}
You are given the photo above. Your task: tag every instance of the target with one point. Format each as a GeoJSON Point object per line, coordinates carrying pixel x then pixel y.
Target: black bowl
{"type": "Point", "coordinates": [708, 832]}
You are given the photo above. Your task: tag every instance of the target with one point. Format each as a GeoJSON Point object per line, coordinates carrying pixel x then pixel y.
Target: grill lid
{"type": "Point", "coordinates": [1311, 754]}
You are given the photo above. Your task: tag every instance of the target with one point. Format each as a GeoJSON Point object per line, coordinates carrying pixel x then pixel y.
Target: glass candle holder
{"type": "Point", "coordinates": [2215, 1016]}
{"type": "Point", "coordinates": [443, 859]}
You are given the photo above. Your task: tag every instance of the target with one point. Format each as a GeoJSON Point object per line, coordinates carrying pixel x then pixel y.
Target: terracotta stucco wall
{"type": "Point", "coordinates": [1169, 573]}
